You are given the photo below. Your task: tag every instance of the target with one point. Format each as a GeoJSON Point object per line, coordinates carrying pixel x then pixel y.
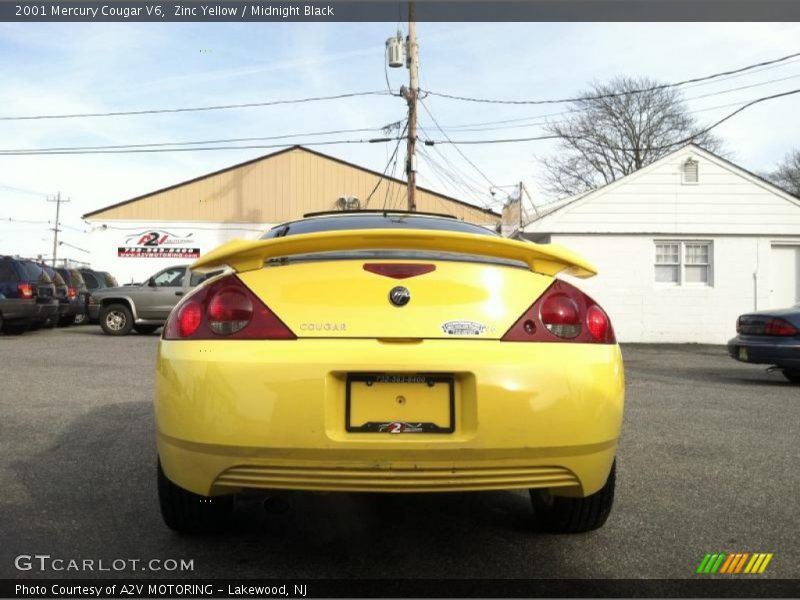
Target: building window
{"type": "Point", "coordinates": [684, 262]}
{"type": "Point", "coordinates": [691, 171]}
{"type": "Point", "coordinates": [668, 262]}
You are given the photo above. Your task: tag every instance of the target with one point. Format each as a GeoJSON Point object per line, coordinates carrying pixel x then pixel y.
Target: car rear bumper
{"type": "Point", "coordinates": [775, 350]}
{"type": "Point", "coordinates": [14, 309]}
{"type": "Point", "coordinates": [46, 310]}
{"type": "Point", "coordinates": [238, 414]}
{"type": "Point", "coordinates": [75, 307]}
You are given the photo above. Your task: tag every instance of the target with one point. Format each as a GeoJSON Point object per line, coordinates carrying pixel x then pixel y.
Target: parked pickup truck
{"type": "Point", "coordinates": [144, 307]}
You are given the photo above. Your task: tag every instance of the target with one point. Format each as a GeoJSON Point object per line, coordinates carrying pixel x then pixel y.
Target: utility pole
{"type": "Point", "coordinates": [58, 202]}
{"type": "Point", "coordinates": [410, 95]}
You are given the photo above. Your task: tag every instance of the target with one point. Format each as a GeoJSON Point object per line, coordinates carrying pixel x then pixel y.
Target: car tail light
{"type": "Point", "coordinates": [563, 314]}
{"type": "Point", "coordinates": [25, 291]}
{"type": "Point", "coordinates": [72, 293]}
{"type": "Point", "coordinates": [190, 315]}
{"type": "Point", "coordinates": [776, 326]}
{"type": "Point", "coordinates": [399, 270]}
{"type": "Point", "coordinates": [224, 309]}
{"type": "Point", "coordinates": [229, 311]}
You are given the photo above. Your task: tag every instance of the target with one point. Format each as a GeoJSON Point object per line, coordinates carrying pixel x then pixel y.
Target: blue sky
{"type": "Point", "coordinates": [65, 68]}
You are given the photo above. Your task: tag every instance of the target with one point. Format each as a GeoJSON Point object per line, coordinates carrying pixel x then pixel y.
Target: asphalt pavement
{"type": "Point", "coordinates": [708, 463]}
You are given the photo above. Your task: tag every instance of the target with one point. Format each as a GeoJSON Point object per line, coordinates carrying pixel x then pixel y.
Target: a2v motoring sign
{"type": "Point", "coordinates": [158, 244]}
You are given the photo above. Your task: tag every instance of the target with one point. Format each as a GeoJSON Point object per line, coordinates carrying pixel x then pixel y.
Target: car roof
{"type": "Point", "coordinates": [372, 211]}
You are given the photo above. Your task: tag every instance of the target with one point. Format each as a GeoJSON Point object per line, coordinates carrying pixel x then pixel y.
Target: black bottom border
{"type": "Point", "coordinates": [734, 587]}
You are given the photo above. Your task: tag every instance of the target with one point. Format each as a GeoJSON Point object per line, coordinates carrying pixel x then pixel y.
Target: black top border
{"type": "Point", "coordinates": [390, 10]}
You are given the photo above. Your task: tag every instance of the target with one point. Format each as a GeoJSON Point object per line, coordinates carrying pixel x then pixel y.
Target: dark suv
{"type": "Point", "coordinates": [76, 295]}
{"type": "Point", "coordinates": [27, 295]}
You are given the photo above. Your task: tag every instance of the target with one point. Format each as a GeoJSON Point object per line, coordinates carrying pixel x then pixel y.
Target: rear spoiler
{"type": "Point", "coordinates": [244, 255]}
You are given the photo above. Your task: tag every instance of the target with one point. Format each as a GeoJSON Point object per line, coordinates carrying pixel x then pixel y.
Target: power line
{"type": "Point", "coordinates": [203, 148]}
{"type": "Point", "coordinates": [155, 111]}
{"type": "Point", "coordinates": [464, 156]}
{"type": "Point", "coordinates": [467, 179]}
{"type": "Point", "coordinates": [663, 147]}
{"type": "Point", "coordinates": [34, 222]}
{"type": "Point", "coordinates": [392, 176]}
{"type": "Point", "coordinates": [196, 143]}
{"type": "Point", "coordinates": [399, 139]}
{"type": "Point", "coordinates": [529, 120]}
{"type": "Point", "coordinates": [444, 176]}
{"type": "Point", "coordinates": [615, 94]}
{"type": "Point", "coordinates": [23, 191]}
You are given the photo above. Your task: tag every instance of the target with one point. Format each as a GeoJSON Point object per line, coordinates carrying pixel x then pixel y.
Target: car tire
{"type": "Point", "coordinates": [35, 325]}
{"type": "Point", "coordinates": [145, 329]}
{"type": "Point", "coordinates": [80, 319]}
{"type": "Point", "coordinates": [561, 514]}
{"type": "Point", "coordinates": [116, 319]}
{"type": "Point", "coordinates": [50, 322]}
{"type": "Point", "coordinates": [66, 321]}
{"type": "Point", "coordinates": [792, 376]}
{"type": "Point", "coordinates": [186, 512]}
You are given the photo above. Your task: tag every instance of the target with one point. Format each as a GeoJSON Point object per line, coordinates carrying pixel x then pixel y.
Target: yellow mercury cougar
{"type": "Point", "coordinates": [384, 351]}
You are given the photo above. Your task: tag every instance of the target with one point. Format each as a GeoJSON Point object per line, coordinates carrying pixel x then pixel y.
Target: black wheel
{"type": "Point", "coordinates": [15, 327]}
{"type": "Point", "coordinates": [146, 329]}
{"type": "Point", "coordinates": [116, 319]}
{"type": "Point", "coordinates": [792, 376]}
{"type": "Point", "coordinates": [50, 322]}
{"type": "Point", "coordinates": [81, 319]}
{"type": "Point", "coordinates": [187, 512]}
{"type": "Point", "coordinates": [560, 514]}
{"type": "Point", "coordinates": [1, 322]}
{"type": "Point", "coordinates": [36, 325]}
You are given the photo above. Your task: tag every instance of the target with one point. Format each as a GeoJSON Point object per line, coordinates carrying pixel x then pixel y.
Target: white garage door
{"type": "Point", "coordinates": [785, 268]}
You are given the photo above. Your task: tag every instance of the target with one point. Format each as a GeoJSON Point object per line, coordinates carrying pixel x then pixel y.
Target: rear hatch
{"type": "Point", "coordinates": [347, 298]}
{"type": "Point", "coordinates": [340, 284]}
{"type": "Point", "coordinates": [43, 288]}
{"type": "Point", "coordinates": [62, 290]}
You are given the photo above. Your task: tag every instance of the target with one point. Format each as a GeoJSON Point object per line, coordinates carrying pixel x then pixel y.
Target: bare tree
{"type": "Point", "coordinates": [603, 139]}
{"type": "Point", "coordinates": [787, 175]}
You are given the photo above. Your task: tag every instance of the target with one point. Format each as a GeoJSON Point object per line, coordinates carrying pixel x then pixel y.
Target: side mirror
{"type": "Point", "coordinates": [151, 282]}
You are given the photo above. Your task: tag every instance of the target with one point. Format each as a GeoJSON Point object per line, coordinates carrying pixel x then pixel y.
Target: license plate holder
{"type": "Point", "coordinates": [367, 395]}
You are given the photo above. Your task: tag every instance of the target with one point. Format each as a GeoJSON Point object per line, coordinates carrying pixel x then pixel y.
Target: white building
{"type": "Point", "coordinates": [683, 246]}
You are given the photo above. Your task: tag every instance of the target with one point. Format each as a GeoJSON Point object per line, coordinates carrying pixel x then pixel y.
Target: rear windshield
{"type": "Point", "coordinates": [7, 272]}
{"type": "Point", "coordinates": [375, 221]}
{"type": "Point", "coordinates": [76, 278]}
{"type": "Point", "coordinates": [55, 277]}
{"type": "Point", "coordinates": [34, 272]}
{"type": "Point", "coordinates": [91, 281]}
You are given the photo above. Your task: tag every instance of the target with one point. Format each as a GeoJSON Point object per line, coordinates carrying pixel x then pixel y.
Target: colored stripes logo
{"type": "Point", "coordinates": [734, 564]}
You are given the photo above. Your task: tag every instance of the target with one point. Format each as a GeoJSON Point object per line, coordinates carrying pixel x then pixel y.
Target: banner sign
{"type": "Point", "coordinates": [158, 243]}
